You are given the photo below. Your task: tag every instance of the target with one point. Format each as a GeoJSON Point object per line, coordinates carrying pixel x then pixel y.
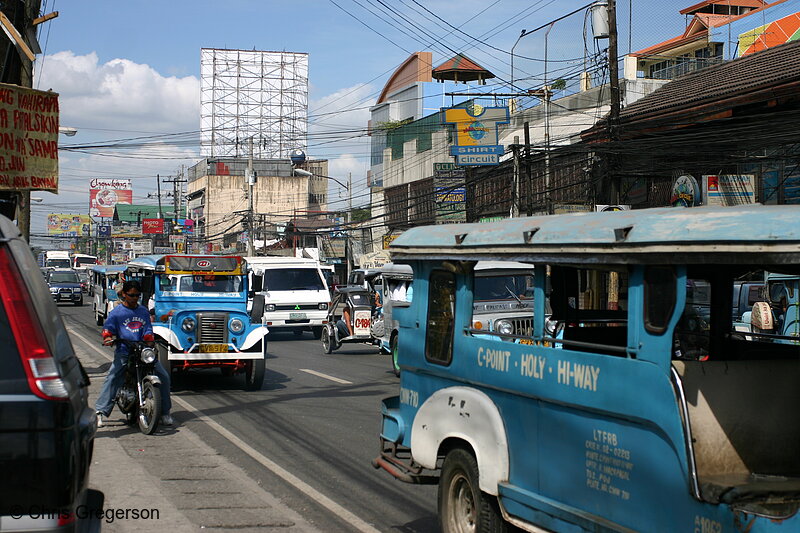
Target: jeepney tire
{"type": "Point", "coordinates": [317, 332]}
{"type": "Point", "coordinates": [254, 375]}
{"type": "Point", "coordinates": [163, 357]}
{"type": "Point", "coordinates": [393, 351]}
{"type": "Point", "coordinates": [327, 341]}
{"type": "Point", "coordinates": [462, 505]}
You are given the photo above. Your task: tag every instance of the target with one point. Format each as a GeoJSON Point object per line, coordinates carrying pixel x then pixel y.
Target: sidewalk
{"type": "Point", "coordinates": [172, 481]}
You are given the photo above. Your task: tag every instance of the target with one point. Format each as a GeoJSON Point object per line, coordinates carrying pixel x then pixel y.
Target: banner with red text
{"type": "Point", "coordinates": [28, 139]}
{"type": "Point", "coordinates": [105, 194]}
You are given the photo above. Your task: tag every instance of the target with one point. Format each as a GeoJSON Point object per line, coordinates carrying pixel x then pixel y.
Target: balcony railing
{"type": "Point", "coordinates": [684, 66]}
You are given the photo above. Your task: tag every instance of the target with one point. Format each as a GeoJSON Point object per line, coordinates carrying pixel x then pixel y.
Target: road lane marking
{"type": "Point", "coordinates": [325, 376]}
{"type": "Point", "coordinates": [270, 465]}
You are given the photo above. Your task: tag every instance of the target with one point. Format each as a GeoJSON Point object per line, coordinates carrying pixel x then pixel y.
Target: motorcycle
{"type": "Point", "coordinates": [139, 397]}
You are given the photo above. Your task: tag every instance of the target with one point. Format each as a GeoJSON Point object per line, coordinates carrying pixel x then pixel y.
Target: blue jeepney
{"type": "Point", "coordinates": [198, 304]}
{"type": "Point", "coordinates": [640, 408]}
{"type": "Point", "coordinates": [104, 294]}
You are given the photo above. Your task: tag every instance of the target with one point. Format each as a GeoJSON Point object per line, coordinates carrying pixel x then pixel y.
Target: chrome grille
{"type": "Point", "coordinates": [523, 326]}
{"type": "Point", "coordinates": [212, 328]}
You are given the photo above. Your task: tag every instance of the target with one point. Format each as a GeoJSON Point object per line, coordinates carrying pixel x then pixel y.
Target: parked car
{"type": "Point", "coordinates": [65, 286]}
{"type": "Point", "coordinates": [47, 427]}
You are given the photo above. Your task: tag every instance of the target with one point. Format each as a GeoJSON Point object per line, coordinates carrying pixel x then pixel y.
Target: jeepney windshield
{"type": "Point", "coordinates": [201, 283]}
{"type": "Point", "coordinates": [503, 287]}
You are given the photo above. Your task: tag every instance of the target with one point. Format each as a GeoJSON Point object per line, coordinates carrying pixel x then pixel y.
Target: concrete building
{"type": "Point", "coordinates": [218, 203]}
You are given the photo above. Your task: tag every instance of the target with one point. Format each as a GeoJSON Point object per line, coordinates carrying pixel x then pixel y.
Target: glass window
{"type": "Point", "coordinates": [659, 298]}
{"type": "Point", "coordinates": [441, 317]}
{"type": "Point", "coordinates": [292, 279]}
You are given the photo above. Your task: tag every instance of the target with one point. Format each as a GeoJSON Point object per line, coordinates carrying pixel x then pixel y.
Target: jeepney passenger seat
{"type": "Point", "coordinates": [745, 427]}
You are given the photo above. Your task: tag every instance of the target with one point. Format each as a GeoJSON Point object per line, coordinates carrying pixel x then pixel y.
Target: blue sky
{"type": "Point", "coordinates": [131, 69]}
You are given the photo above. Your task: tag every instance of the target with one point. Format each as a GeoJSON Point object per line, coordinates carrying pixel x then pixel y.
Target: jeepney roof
{"type": "Point", "coordinates": [108, 269]}
{"type": "Point", "coordinates": [752, 234]}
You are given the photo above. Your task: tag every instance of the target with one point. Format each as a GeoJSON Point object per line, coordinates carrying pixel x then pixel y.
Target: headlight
{"type": "Point", "coordinates": [148, 355]}
{"type": "Point", "coordinates": [269, 308]}
{"type": "Point", "coordinates": [188, 324]}
{"type": "Point", "coordinates": [236, 325]}
{"type": "Point", "coordinates": [76, 289]}
{"type": "Point", "coordinates": [323, 307]}
{"type": "Point", "coordinates": [505, 327]}
{"type": "Point", "coordinates": [54, 289]}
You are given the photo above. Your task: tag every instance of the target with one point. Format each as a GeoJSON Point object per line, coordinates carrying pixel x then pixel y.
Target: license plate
{"type": "Point", "coordinates": [297, 316]}
{"type": "Point", "coordinates": [361, 323]}
{"type": "Point", "coordinates": [526, 341]}
{"type": "Point", "coordinates": [213, 348]}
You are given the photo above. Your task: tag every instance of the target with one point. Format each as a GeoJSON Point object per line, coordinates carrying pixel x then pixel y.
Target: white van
{"type": "Point", "coordinates": [293, 293]}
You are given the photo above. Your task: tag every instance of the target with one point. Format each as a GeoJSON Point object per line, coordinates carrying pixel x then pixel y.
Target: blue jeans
{"type": "Point", "coordinates": [116, 375]}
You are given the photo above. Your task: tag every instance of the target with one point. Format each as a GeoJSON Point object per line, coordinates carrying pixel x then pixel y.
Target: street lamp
{"type": "Point", "coordinates": [522, 34]}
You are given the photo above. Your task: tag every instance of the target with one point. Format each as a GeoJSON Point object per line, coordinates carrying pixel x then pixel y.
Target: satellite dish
{"type": "Point", "coordinates": [297, 156]}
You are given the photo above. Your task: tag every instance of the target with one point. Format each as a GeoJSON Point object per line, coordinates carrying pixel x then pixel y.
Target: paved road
{"type": "Point", "coordinates": [306, 438]}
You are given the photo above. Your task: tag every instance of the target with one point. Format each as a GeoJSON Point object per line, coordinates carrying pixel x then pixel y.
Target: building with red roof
{"type": "Point", "coordinates": [716, 31]}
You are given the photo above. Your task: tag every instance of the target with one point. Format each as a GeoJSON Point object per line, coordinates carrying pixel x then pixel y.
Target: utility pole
{"type": "Point", "coordinates": [158, 185]}
{"type": "Point", "coordinates": [348, 243]}
{"type": "Point", "coordinates": [613, 118]}
{"type": "Point", "coordinates": [250, 182]}
{"type": "Point", "coordinates": [515, 189]}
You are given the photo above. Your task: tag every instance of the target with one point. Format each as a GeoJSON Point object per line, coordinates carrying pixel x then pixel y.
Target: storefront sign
{"type": "Point", "coordinates": [153, 225]}
{"type": "Point", "coordinates": [477, 134]}
{"type": "Point", "coordinates": [29, 140]}
{"type": "Point", "coordinates": [105, 194]}
{"type": "Point", "coordinates": [685, 192]}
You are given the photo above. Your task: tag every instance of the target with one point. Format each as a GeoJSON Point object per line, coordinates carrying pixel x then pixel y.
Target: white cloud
{"type": "Point", "coordinates": [120, 94]}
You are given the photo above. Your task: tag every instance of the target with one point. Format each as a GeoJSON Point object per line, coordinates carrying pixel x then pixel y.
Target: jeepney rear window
{"type": "Point", "coordinates": [441, 317]}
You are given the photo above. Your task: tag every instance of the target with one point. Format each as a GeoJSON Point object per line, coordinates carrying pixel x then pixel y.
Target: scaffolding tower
{"type": "Point", "coordinates": [258, 94]}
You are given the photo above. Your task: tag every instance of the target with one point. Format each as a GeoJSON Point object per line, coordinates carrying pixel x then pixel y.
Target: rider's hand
{"type": "Point", "coordinates": [108, 338]}
{"type": "Point", "coordinates": [149, 339]}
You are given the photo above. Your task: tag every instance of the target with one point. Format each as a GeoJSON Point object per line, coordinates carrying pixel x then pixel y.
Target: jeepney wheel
{"type": "Point", "coordinates": [317, 331]}
{"type": "Point", "coordinates": [463, 508]}
{"type": "Point", "coordinates": [327, 341]}
{"type": "Point", "coordinates": [394, 352]}
{"type": "Point", "coordinates": [254, 374]}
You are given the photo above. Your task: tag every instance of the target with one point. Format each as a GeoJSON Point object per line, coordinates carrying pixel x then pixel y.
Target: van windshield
{"type": "Point", "coordinates": [59, 263]}
{"type": "Point", "coordinates": [292, 279]}
{"type": "Point", "coordinates": [503, 287]}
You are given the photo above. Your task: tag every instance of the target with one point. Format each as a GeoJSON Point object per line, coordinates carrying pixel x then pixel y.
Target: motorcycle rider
{"type": "Point", "coordinates": [129, 321]}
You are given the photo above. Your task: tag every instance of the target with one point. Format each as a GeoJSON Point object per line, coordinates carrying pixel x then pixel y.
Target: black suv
{"type": "Point", "coordinates": [65, 286]}
{"type": "Point", "coordinates": [47, 429]}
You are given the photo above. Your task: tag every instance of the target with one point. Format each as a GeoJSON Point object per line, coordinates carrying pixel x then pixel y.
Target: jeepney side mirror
{"type": "Point", "coordinates": [257, 283]}
{"type": "Point", "coordinates": [147, 284]}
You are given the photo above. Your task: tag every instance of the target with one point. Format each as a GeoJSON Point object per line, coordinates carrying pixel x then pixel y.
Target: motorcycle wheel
{"type": "Point", "coordinates": [327, 342]}
{"type": "Point", "coordinates": [150, 413]}
{"type": "Point", "coordinates": [254, 374]}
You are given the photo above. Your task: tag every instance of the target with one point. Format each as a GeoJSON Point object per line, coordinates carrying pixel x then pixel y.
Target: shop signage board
{"type": "Point", "coordinates": [29, 144]}
{"type": "Point", "coordinates": [105, 194]}
{"type": "Point", "coordinates": [477, 134]}
{"type": "Point", "coordinates": [69, 225]}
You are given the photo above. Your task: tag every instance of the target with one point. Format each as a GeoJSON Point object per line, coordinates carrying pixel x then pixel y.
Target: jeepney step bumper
{"type": "Point", "coordinates": [394, 457]}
